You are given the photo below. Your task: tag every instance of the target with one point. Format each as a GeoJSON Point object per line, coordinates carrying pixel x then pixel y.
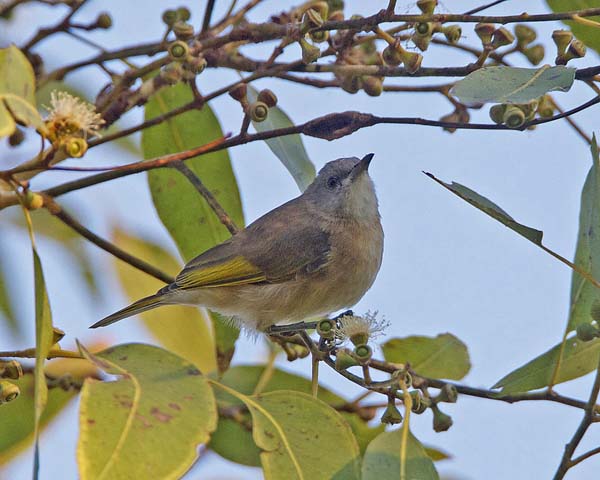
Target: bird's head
{"type": "Point", "coordinates": [344, 188]}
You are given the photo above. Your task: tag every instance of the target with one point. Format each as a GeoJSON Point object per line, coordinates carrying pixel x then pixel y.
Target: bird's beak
{"type": "Point", "coordinates": [363, 165]}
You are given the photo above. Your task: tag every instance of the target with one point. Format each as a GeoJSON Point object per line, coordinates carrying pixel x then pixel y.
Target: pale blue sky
{"type": "Point", "coordinates": [447, 267]}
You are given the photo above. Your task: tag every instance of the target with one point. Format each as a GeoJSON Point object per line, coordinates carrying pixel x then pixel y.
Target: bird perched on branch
{"type": "Point", "coordinates": [312, 256]}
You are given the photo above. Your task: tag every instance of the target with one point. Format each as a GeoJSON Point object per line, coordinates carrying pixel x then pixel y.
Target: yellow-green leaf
{"type": "Point", "coordinates": [184, 330]}
{"type": "Point", "coordinates": [186, 215]}
{"type": "Point", "coordinates": [579, 358]}
{"type": "Point", "coordinates": [587, 254]}
{"type": "Point", "coordinates": [43, 343]}
{"type": "Point", "coordinates": [149, 422]}
{"type": "Point", "coordinates": [301, 437]}
{"type": "Point", "coordinates": [17, 92]}
{"type": "Point", "coordinates": [6, 305]}
{"type": "Point", "coordinates": [588, 34]}
{"type": "Point", "coordinates": [233, 440]}
{"type": "Point", "coordinates": [17, 417]}
{"type": "Point", "coordinates": [383, 458]}
{"type": "Point", "coordinates": [289, 148]}
{"type": "Point", "coordinates": [443, 356]}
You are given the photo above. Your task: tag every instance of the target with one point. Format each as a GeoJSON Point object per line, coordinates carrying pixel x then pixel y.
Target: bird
{"type": "Point", "coordinates": [315, 255]}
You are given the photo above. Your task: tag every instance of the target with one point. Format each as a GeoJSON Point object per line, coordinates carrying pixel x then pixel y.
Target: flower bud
{"type": "Point", "coordinates": [502, 37]}
{"type": "Point", "coordinates": [169, 17]}
{"type": "Point", "coordinates": [587, 332]}
{"type": "Point", "coordinates": [351, 83]}
{"type": "Point", "coordinates": [258, 111]}
{"type": "Point", "coordinates": [373, 86]}
{"type": "Point", "coordinates": [310, 53]}
{"type": "Point", "coordinates": [441, 421]}
{"type": "Point", "coordinates": [16, 138]}
{"type": "Point", "coordinates": [319, 36]}
{"type": "Point", "coordinates": [485, 31]}
{"type": "Point", "coordinates": [391, 415]}
{"type": "Point", "coordinates": [525, 35]}
{"type": "Point", "coordinates": [195, 64]}
{"type": "Point", "coordinates": [363, 353]}
{"type": "Point", "coordinates": [183, 30]}
{"type": "Point", "coordinates": [11, 369]}
{"type": "Point", "coordinates": [179, 51]}
{"type": "Point", "coordinates": [419, 403]}
{"type": "Point", "coordinates": [545, 107]}
{"type": "Point", "coordinates": [497, 113]}
{"type": "Point", "coordinates": [561, 39]}
{"type": "Point", "coordinates": [391, 55]}
{"type": "Point", "coordinates": [239, 92]}
{"type": "Point", "coordinates": [424, 29]}
{"type": "Point", "coordinates": [452, 33]}
{"type": "Point", "coordinates": [183, 13]}
{"type": "Point", "coordinates": [448, 394]}
{"type": "Point", "coordinates": [75, 147]}
{"type": "Point", "coordinates": [535, 54]}
{"type": "Point", "coordinates": [104, 21]}
{"type": "Point", "coordinates": [326, 327]}
{"type": "Point", "coordinates": [344, 360]}
{"type": "Point", "coordinates": [513, 116]}
{"type": "Point", "coordinates": [427, 6]}
{"type": "Point", "coordinates": [33, 200]}
{"type": "Point", "coordinates": [412, 61]}
{"type": "Point", "coordinates": [421, 42]}
{"type": "Point", "coordinates": [171, 74]}
{"type": "Point", "coordinates": [8, 392]}
{"type": "Point", "coordinates": [268, 97]}
{"type": "Point", "coordinates": [311, 19]}
{"type": "Point", "coordinates": [576, 50]}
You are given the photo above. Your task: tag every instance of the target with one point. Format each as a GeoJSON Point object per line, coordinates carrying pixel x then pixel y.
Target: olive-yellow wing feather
{"type": "Point", "coordinates": [231, 271]}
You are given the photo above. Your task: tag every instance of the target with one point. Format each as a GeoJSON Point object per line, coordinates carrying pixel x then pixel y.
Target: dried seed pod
{"type": "Point", "coordinates": [373, 86]}
{"type": "Point", "coordinates": [169, 17]}
{"type": "Point", "coordinates": [179, 51]}
{"type": "Point", "coordinates": [514, 117]}
{"type": "Point", "coordinates": [363, 353]}
{"type": "Point", "coordinates": [427, 6]}
{"type": "Point", "coordinates": [535, 54]}
{"type": "Point", "coordinates": [502, 37]}
{"type": "Point", "coordinates": [391, 55]}
{"type": "Point", "coordinates": [441, 421]}
{"type": "Point", "coordinates": [75, 147]}
{"type": "Point", "coordinates": [452, 33]}
{"type": "Point", "coordinates": [258, 111]}
{"type": "Point", "coordinates": [183, 13]}
{"type": "Point", "coordinates": [525, 35]}
{"type": "Point", "coordinates": [104, 21]}
{"type": "Point", "coordinates": [545, 107]}
{"type": "Point", "coordinates": [412, 61]}
{"type": "Point", "coordinates": [268, 97]}
{"type": "Point", "coordinates": [497, 113]}
{"type": "Point", "coordinates": [8, 391]}
{"type": "Point", "coordinates": [11, 369]}
{"type": "Point", "coordinates": [319, 36]}
{"type": "Point", "coordinates": [310, 53]}
{"type": "Point", "coordinates": [561, 39]}
{"type": "Point", "coordinates": [391, 415]}
{"type": "Point", "coordinates": [326, 329]}
{"type": "Point", "coordinates": [485, 31]}
{"type": "Point", "coordinates": [183, 30]}
{"type": "Point", "coordinates": [344, 360]}
{"type": "Point", "coordinates": [239, 92]}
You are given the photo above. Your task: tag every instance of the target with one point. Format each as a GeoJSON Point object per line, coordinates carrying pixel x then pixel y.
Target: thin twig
{"type": "Point", "coordinates": [213, 203]}
{"type": "Point", "coordinates": [207, 16]}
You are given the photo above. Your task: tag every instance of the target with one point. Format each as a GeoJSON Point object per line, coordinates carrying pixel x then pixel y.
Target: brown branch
{"type": "Point", "coordinates": [208, 196]}
{"type": "Point", "coordinates": [56, 210]}
{"type": "Point", "coordinates": [207, 16]}
{"type": "Point", "coordinates": [588, 417]}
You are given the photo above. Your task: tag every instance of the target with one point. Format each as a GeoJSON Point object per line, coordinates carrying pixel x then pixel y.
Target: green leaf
{"type": "Point", "coordinates": [186, 215]}
{"type": "Point", "coordinates": [579, 358]}
{"type": "Point", "coordinates": [17, 417]}
{"type": "Point", "coordinates": [6, 307]}
{"type": "Point", "coordinates": [443, 356]}
{"type": "Point", "coordinates": [383, 459]}
{"type": "Point", "coordinates": [184, 330]}
{"type": "Point", "coordinates": [289, 149]}
{"type": "Point", "coordinates": [587, 34]}
{"type": "Point", "coordinates": [301, 437]}
{"type": "Point", "coordinates": [17, 92]}
{"type": "Point", "coordinates": [149, 422]}
{"type": "Point", "coordinates": [234, 441]}
{"type": "Point", "coordinates": [436, 454]}
{"type": "Point", "coordinates": [491, 209]}
{"type": "Point", "coordinates": [512, 85]}
{"type": "Point", "coordinates": [587, 254]}
{"type": "Point", "coordinates": [43, 344]}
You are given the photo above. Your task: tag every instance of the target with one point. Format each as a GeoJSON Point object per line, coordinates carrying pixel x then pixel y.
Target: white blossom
{"type": "Point", "coordinates": [367, 326]}
{"type": "Point", "coordinates": [69, 116]}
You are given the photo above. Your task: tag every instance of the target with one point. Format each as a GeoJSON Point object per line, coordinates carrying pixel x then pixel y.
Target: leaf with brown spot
{"type": "Point", "coordinates": [135, 433]}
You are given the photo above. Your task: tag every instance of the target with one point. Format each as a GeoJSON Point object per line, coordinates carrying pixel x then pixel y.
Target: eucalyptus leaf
{"type": "Point", "coordinates": [6, 306]}
{"type": "Point", "coordinates": [289, 148]}
{"type": "Point", "coordinates": [443, 356]}
{"type": "Point", "coordinates": [383, 458]}
{"type": "Point", "coordinates": [149, 422]}
{"type": "Point", "coordinates": [185, 331]}
{"type": "Point", "coordinates": [587, 254]}
{"type": "Point", "coordinates": [301, 437]}
{"type": "Point", "coordinates": [589, 35]}
{"type": "Point", "coordinates": [579, 358]}
{"type": "Point", "coordinates": [511, 84]}
{"type": "Point", "coordinates": [233, 441]}
{"type": "Point", "coordinates": [17, 92]}
{"type": "Point", "coordinates": [187, 216]}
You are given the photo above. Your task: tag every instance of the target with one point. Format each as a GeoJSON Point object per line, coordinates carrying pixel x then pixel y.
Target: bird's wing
{"type": "Point", "coordinates": [273, 249]}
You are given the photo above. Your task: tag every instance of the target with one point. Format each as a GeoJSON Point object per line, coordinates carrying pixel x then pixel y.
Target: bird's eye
{"type": "Point", "coordinates": [333, 182]}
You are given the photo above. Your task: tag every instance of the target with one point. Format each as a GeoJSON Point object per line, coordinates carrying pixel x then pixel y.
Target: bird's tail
{"type": "Point", "coordinates": [146, 303]}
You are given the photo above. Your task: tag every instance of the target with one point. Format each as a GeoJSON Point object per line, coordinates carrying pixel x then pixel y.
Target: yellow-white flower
{"type": "Point", "coordinates": [359, 330]}
{"type": "Point", "coordinates": [71, 116]}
